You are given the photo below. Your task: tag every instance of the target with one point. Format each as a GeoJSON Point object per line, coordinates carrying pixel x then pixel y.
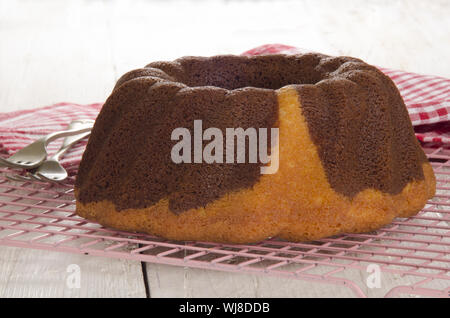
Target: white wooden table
{"type": "Point", "coordinates": [53, 51]}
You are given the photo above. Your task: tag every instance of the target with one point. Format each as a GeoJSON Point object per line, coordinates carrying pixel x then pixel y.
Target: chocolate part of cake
{"type": "Point", "coordinates": [137, 170]}
{"type": "Point", "coordinates": [362, 137]}
{"type": "Point", "coordinates": [343, 99]}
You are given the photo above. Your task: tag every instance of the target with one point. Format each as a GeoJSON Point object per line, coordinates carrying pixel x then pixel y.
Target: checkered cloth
{"type": "Point", "coordinates": [426, 97]}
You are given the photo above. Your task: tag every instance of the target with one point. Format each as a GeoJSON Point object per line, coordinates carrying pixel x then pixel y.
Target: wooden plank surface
{"type": "Point", "coordinates": [36, 273]}
{"type": "Point", "coordinates": [53, 51]}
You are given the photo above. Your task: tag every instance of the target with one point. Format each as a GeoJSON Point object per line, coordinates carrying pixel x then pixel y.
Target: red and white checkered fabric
{"type": "Point", "coordinates": [426, 97]}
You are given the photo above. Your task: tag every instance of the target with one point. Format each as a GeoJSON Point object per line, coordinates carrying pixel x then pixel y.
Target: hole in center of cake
{"type": "Point", "coordinates": [241, 73]}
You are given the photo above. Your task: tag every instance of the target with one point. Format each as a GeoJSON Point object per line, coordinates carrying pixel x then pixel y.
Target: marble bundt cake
{"type": "Point", "coordinates": [348, 160]}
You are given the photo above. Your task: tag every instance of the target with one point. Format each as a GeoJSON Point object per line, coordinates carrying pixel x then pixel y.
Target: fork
{"type": "Point", "coordinates": [34, 154]}
{"type": "Point", "coordinates": [51, 169]}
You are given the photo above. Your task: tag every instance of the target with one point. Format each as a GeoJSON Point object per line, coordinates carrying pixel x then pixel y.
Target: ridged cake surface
{"type": "Point", "coordinates": [348, 157]}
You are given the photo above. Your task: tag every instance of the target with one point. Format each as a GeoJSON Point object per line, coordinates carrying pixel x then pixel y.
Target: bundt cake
{"type": "Point", "coordinates": [347, 158]}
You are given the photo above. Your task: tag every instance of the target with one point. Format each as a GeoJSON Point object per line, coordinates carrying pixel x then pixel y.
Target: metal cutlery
{"type": "Point", "coordinates": [51, 169]}
{"type": "Point", "coordinates": [35, 154]}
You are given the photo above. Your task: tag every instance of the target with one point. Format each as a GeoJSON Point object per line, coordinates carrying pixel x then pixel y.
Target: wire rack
{"type": "Point", "coordinates": [41, 216]}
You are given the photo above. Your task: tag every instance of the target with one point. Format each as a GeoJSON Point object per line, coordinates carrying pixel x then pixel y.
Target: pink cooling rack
{"type": "Point", "coordinates": [41, 216]}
